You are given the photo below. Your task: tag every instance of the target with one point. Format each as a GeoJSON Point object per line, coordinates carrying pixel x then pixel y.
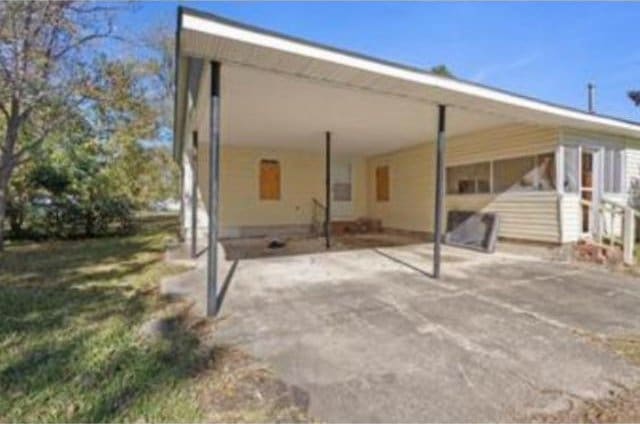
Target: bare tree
{"type": "Point", "coordinates": [45, 69]}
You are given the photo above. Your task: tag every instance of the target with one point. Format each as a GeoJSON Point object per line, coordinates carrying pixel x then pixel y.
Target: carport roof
{"type": "Point", "coordinates": [243, 47]}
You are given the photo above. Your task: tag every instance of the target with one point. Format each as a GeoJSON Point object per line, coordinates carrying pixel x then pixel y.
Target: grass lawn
{"type": "Point", "coordinates": [70, 349]}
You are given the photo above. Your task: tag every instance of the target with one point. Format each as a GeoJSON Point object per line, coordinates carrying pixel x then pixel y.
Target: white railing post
{"type": "Point", "coordinates": [629, 228]}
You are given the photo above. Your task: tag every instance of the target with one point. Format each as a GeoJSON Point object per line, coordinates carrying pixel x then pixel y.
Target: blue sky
{"type": "Point", "coordinates": [545, 50]}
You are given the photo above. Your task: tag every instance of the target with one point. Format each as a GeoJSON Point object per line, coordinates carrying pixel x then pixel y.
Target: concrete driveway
{"type": "Point", "coordinates": [371, 338]}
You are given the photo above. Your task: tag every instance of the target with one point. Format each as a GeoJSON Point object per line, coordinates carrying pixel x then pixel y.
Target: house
{"type": "Point", "coordinates": [275, 133]}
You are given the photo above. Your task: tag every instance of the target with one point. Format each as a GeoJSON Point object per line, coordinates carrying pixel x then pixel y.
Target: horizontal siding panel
{"type": "Point", "coordinates": [526, 216]}
{"type": "Point", "coordinates": [632, 163]}
{"type": "Point", "coordinates": [571, 223]}
{"type": "Point", "coordinates": [500, 143]}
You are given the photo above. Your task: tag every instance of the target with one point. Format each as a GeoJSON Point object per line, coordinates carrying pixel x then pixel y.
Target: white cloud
{"type": "Point", "coordinates": [500, 68]}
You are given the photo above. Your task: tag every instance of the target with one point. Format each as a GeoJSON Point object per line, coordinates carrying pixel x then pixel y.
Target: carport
{"type": "Point", "coordinates": [246, 87]}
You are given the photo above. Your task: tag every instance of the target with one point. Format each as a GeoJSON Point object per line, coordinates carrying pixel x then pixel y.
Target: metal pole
{"type": "Point", "coordinates": [440, 150]}
{"type": "Point", "coordinates": [183, 200]}
{"type": "Point", "coordinates": [214, 168]}
{"type": "Point", "coordinates": [327, 206]}
{"type": "Point", "coordinates": [194, 196]}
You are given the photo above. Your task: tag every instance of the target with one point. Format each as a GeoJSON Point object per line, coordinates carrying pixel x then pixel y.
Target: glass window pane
{"type": "Point", "coordinates": [612, 171]}
{"type": "Point", "coordinates": [571, 164]}
{"type": "Point", "coordinates": [617, 171]}
{"type": "Point", "coordinates": [342, 192]}
{"type": "Point", "coordinates": [546, 172]}
{"type": "Point", "coordinates": [517, 174]}
{"type": "Point", "coordinates": [467, 179]}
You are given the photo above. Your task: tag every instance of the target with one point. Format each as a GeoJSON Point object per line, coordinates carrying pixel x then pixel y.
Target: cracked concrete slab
{"type": "Point", "coordinates": [371, 338]}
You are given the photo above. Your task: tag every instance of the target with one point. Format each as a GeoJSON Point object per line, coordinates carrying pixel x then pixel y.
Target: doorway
{"type": "Point", "coordinates": [588, 189]}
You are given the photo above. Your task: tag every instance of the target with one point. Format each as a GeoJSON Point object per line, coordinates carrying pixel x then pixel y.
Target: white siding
{"type": "Point", "coordinates": [571, 218]}
{"type": "Point", "coordinates": [632, 163]}
{"type": "Point", "coordinates": [524, 216]}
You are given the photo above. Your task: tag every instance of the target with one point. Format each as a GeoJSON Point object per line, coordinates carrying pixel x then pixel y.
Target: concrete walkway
{"type": "Point", "coordinates": [370, 337]}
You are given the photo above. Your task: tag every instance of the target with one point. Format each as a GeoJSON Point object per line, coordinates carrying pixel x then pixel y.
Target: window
{"type": "Point", "coordinates": [612, 171]}
{"type": "Point", "coordinates": [546, 172]}
{"type": "Point", "coordinates": [571, 169]}
{"type": "Point", "coordinates": [467, 179]}
{"type": "Point", "coordinates": [528, 173]}
{"type": "Point", "coordinates": [341, 176]}
{"type": "Point", "coordinates": [342, 192]}
{"type": "Point", "coordinates": [514, 174]}
{"type": "Point", "coordinates": [269, 180]}
{"type": "Point", "coordinates": [382, 184]}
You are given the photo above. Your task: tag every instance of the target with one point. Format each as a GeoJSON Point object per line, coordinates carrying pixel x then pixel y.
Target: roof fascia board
{"type": "Point", "coordinates": [211, 24]}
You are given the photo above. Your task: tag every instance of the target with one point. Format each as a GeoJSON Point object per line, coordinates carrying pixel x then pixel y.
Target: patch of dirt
{"type": "Point", "coordinates": [237, 389]}
{"type": "Point", "coordinates": [229, 384]}
{"type": "Point", "coordinates": [621, 406]}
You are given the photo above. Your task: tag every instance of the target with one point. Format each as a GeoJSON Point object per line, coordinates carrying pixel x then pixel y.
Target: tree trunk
{"type": "Point", "coordinates": [7, 160]}
{"type": "Point", "coordinates": [6, 169]}
{"type": "Point", "coordinates": [3, 204]}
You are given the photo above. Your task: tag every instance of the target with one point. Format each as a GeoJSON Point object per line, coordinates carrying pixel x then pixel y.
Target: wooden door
{"type": "Point", "coordinates": [586, 189]}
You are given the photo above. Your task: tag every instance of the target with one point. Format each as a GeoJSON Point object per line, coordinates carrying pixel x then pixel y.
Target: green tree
{"type": "Point", "coordinates": [442, 70]}
{"type": "Point", "coordinates": [44, 73]}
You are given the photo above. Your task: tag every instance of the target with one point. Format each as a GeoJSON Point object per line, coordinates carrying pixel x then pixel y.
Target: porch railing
{"type": "Point", "coordinates": [608, 214]}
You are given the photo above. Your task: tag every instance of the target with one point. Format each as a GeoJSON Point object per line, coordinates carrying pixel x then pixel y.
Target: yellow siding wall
{"type": "Point", "coordinates": [526, 216]}
{"type": "Point", "coordinates": [531, 216]}
{"type": "Point", "coordinates": [302, 179]}
{"type": "Point", "coordinates": [411, 183]}
{"type": "Point", "coordinates": [501, 143]}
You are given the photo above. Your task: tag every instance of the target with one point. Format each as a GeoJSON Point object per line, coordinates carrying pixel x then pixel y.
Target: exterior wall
{"type": "Point", "coordinates": [523, 215]}
{"type": "Point", "coordinates": [187, 197]}
{"type": "Point", "coordinates": [570, 217]}
{"type": "Point", "coordinates": [411, 182]}
{"type": "Point", "coordinates": [632, 162]}
{"type": "Point", "coordinates": [242, 213]}
{"type": "Point", "coordinates": [530, 216]}
{"type": "Point", "coordinates": [539, 216]}
{"type": "Point", "coordinates": [501, 143]}
{"type": "Point", "coordinates": [196, 120]}
{"type": "Point", "coordinates": [571, 213]}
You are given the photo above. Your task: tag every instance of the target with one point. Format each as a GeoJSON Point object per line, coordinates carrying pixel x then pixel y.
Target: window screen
{"type": "Point", "coordinates": [517, 174]}
{"type": "Point", "coordinates": [546, 172]}
{"type": "Point", "coordinates": [342, 192]}
{"type": "Point", "coordinates": [612, 171]}
{"type": "Point", "coordinates": [467, 179]}
{"type": "Point", "coordinates": [571, 169]}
